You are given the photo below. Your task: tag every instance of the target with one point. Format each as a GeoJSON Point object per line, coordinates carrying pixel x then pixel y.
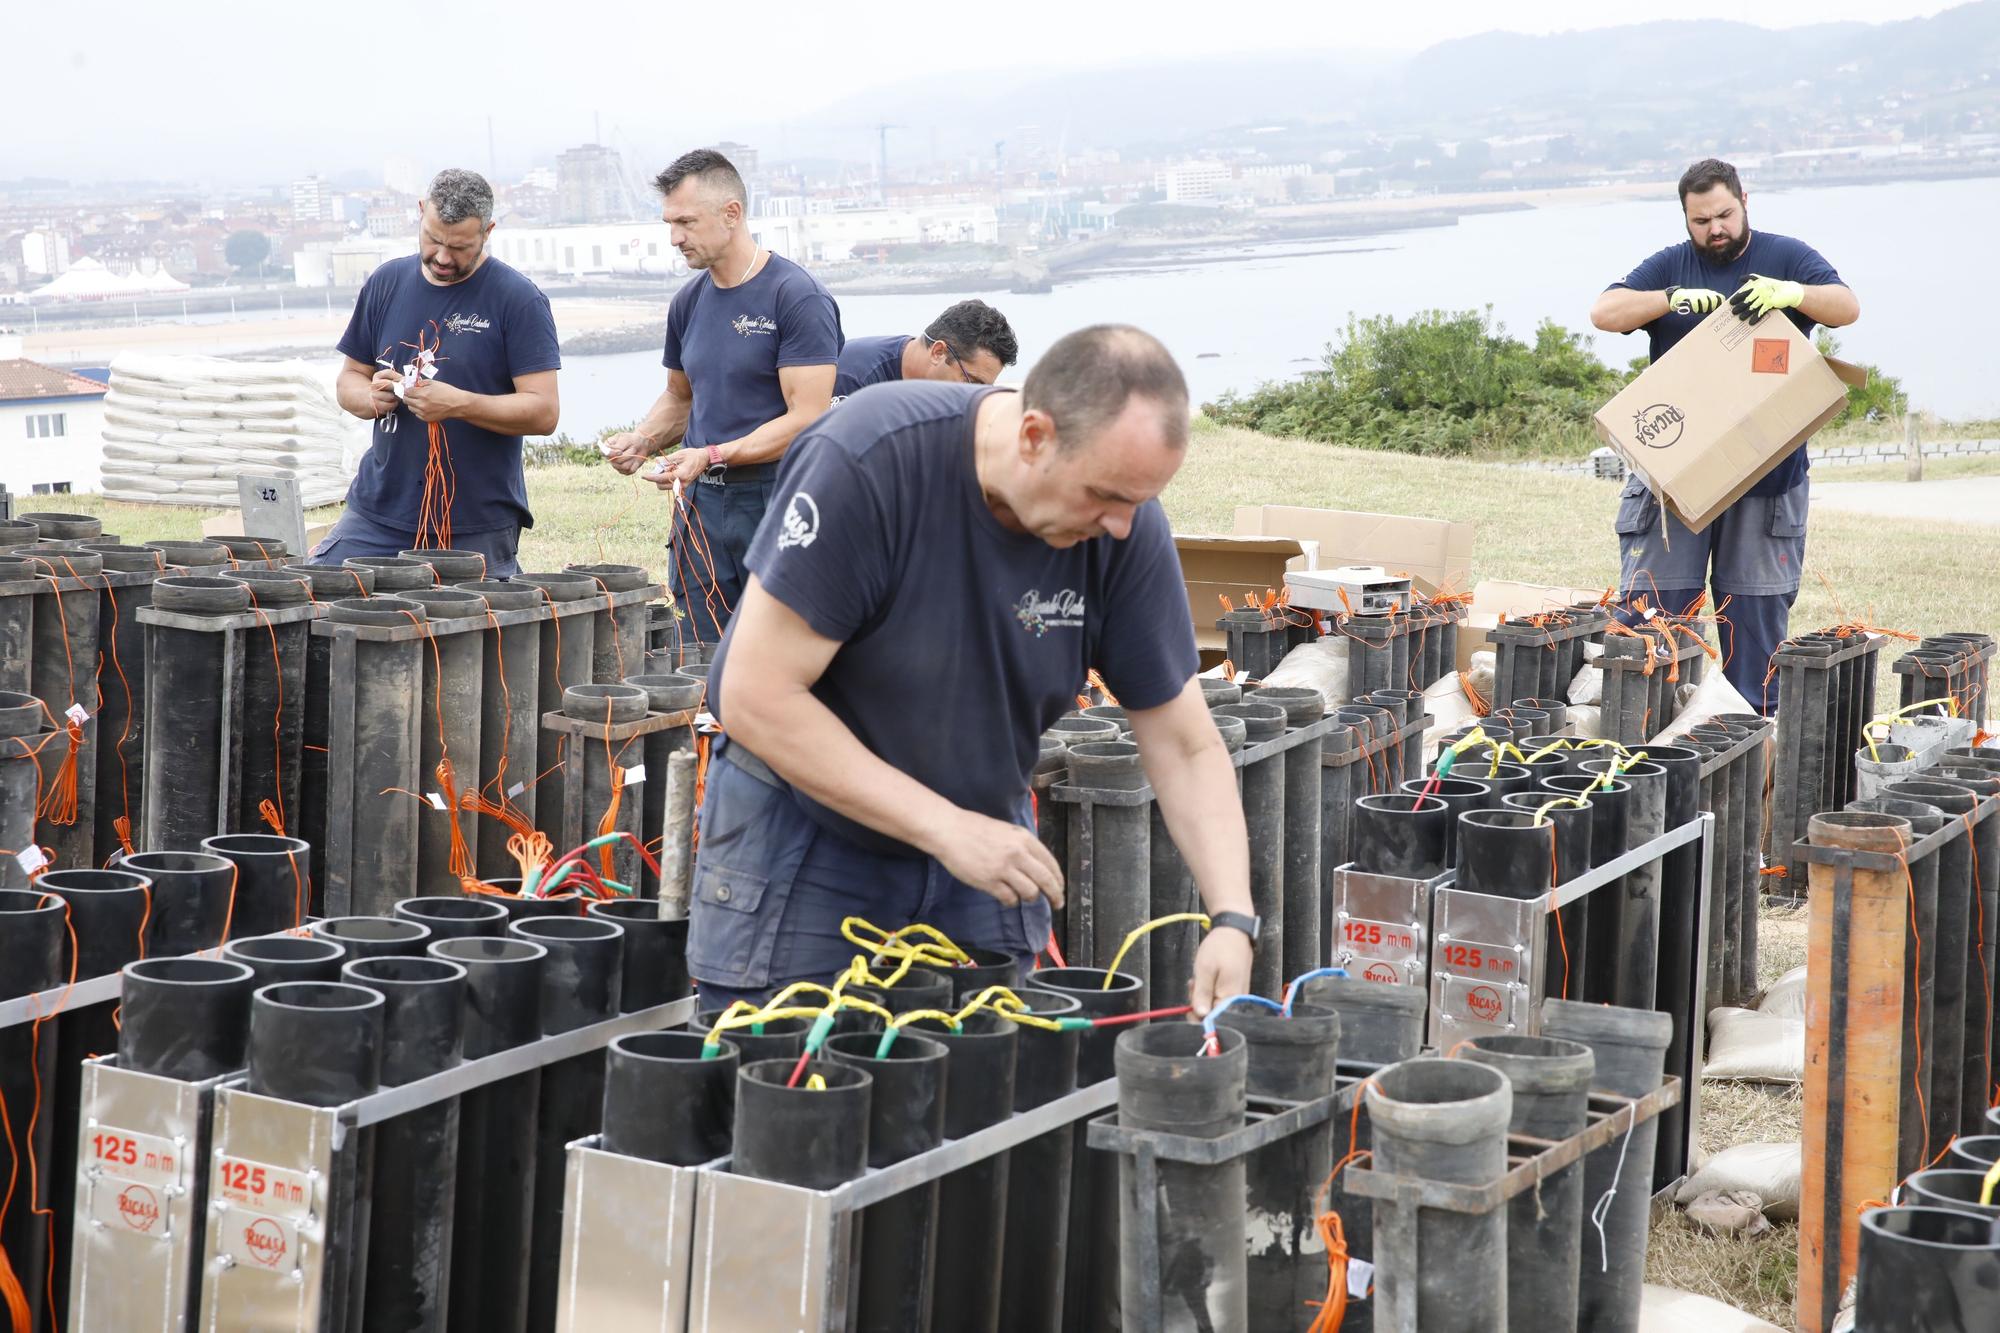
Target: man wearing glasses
{"type": "Point", "coordinates": [971, 343]}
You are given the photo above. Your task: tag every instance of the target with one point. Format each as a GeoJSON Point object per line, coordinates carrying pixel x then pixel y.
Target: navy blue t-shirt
{"type": "Point", "coordinates": [731, 342]}
{"type": "Point", "coordinates": [494, 327]}
{"type": "Point", "coordinates": [1769, 255]}
{"type": "Point", "coordinates": [866, 361]}
{"type": "Point", "coordinates": [961, 641]}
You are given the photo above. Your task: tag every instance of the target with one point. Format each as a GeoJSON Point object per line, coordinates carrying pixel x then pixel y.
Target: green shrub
{"type": "Point", "coordinates": [555, 450]}
{"type": "Point", "coordinates": [1881, 399]}
{"type": "Point", "coordinates": [1442, 383]}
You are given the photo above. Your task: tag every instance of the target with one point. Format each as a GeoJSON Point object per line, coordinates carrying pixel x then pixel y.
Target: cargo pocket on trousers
{"type": "Point", "coordinates": [1788, 512]}
{"type": "Point", "coordinates": [1638, 511]}
{"type": "Point", "coordinates": [729, 937]}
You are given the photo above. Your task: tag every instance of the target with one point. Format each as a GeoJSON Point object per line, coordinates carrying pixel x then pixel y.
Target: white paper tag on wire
{"type": "Point", "coordinates": [77, 714]}
{"type": "Point", "coordinates": [516, 790]}
{"type": "Point", "coordinates": [635, 774]}
{"type": "Point", "coordinates": [437, 801]}
{"type": "Point", "coordinates": [30, 859]}
{"type": "Point", "coordinates": [1360, 1276]}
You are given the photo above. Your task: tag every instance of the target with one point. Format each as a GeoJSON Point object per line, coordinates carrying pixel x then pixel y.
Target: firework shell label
{"type": "Point", "coordinates": [1729, 403]}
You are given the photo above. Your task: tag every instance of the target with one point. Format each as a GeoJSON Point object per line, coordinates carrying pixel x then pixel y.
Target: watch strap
{"type": "Point", "coordinates": [1243, 921]}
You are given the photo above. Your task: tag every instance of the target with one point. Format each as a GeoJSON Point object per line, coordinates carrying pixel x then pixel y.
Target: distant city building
{"type": "Point", "coordinates": [541, 178]}
{"type": "Point", "coordinates": [347, 262]}
{"type": "Point", "coordinates": [1191, 182]}
{"type": "Point", "coordinates": [311, 200]}
{"type": "Point", "coordinates": [389, 221]}
{"type": "Point", "coordinates": [590, 185]}
{"type": "Point", "coordinates": [51, 426]}
{"type": "Point", "coordinates": [619, 249]}
{"type": "Point", "coordinates": [45, 254]}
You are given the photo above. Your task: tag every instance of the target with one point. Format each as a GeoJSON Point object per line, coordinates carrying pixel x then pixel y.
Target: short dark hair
{"type": "Point", "coordinates": [973, 326]}
{"type": "Point", "coordinates": [1708, 173]}
{"type": "Point", "coordinates": [1088, 377]}
{"type": "Point", "coordinates": [716, 171]}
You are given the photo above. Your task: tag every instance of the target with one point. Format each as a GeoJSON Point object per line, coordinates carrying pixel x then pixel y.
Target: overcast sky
{"type": "Point", "coordinates": [225, 91]}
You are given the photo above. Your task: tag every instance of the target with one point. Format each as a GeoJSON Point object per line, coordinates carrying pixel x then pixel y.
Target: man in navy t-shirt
{"type": "Point", "coordinates": [496, 363]}
{"type": "Point", "coordinates": [942, 566]}
{"type": "Point", "coordinates": [750, 353]}
{"type": "Point", "coordinates": [1757, 546]}
{"type": "Point", "coordinates": [970, 343]}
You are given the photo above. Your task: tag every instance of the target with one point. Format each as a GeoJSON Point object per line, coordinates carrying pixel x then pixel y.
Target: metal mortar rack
{"type": "Point", "coordinates": [1538, 658]}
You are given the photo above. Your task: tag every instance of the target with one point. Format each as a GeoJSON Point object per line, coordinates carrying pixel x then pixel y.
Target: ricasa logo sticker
{"type": "Point", "coordinates": [264, 1241]}
{"type": "Point", "coordinates": [1658, 426]}
{"type": "Point", "coordinates": [1380, 972]}
{"type": "Point", "coordinates": [1483, 1003]}
{"type": "Point", "coordinates": [138, 1208]}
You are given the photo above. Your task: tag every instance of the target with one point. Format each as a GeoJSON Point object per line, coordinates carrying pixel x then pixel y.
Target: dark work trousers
{"type": "Point", "coordinates": [711, 541]}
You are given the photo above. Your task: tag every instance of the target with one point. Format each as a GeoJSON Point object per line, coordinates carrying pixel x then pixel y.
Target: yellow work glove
{"type": "Point", "coordinates": [1760, 296]}
{"type": "Point", "coordinates": [1692, 300]}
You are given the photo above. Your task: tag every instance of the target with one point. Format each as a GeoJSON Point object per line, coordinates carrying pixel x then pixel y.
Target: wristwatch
{"type": "Point", "coordinates": [715, 463]}
{"type": "Point", "coordinates": [1243, 921]}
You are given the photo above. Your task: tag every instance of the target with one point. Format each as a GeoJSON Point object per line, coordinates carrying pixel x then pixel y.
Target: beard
{"type": "Point", "coordinates": [1732, 250]}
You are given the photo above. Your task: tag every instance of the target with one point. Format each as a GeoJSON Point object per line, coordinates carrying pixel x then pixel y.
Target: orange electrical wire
{"type": "Point", "coordinates": [11, 1290]}
{"type": "Point", "coordinates": [1916, 1028]}
{"type": "Point", "coordinates": [1333, 1309]}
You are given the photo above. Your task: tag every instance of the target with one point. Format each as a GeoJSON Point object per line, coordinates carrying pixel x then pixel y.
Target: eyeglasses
{"type": "Point", "coordinates": [959, 361]}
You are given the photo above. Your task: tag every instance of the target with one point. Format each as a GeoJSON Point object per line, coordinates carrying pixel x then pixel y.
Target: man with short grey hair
{"type": "Point", "coordinates": [751, 347]}
{"type": "Point", "coordinates": [942, 566]}
{"type": "Point", "coordinates": [483, 343]}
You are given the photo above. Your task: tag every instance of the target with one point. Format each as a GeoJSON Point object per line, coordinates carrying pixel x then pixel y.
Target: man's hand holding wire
{"type": "Point", "coordinates": [1221, 969]}
{"type": "Point", "coordinates": [627, 451]}
{"type": "Point", "coordinates": [683, 465]}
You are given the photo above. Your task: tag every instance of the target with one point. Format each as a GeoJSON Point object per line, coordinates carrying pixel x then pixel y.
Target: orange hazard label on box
{"type": "Point", "coordinates": [1771, 356]}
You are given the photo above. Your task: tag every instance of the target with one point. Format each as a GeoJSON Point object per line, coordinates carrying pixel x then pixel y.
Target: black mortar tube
{"type": "Point", "coordinates": [1292, 1059]}
{"type": "Point", "coordinates": [65, 675]}
{"type": "Point", "coordinates": [565, 650]}
{"type": "Point", "coordinates": [919, 988]}
{"type": "Point", "coordinates": [1960, 1026]}
{"type": "Point", "coordinates": [1567, 936]}
{"type": "Point", "coordinates": [972, 1201]}
{"type": "Point", "coordinates": [1302, 881]}
{"type": "Point", "coordinates": [1679, 911]}
{"type": "Point", "coordinates": [121, 717]}
{"type": "Point", "coordinates": [449, 727]}
{"type": "Point", "coordinates": [780, 1039]}
{"type": "Point", "coordinates": [274, 694]}
{"type": "Point", "coordinates": [1166, 1084]}
{"type": "Point", "coordinates": [1919, 990]}
{"type": "Point", "coordinates": [318, 1043]}
{"type": "Point", "coordinates": [582, 981]}
{"type": "Point", "coordinates": [375, 936]}
{"type": "Point", "coordinates": [1637, 896]}
{"type": "Point", "coordinates": [989, 967]}
{"type": "Point", "coordinates": [1120, 853]}
{"type": "Point", "coordinates": [22, 743]}
{"type": "Point", "coordinates": [1441, 1120]}
{"type": "Point", "coordinates": [1948, 1188]}
{"type": "Point", "coordinates": [450, 918]}
{"type": "Point", "coordinates": [666, 1102]}
{"type": "Point", "coordinates": [1926, 1270]}
{"type": "Point", "coordinates": [1506, 854]}
{"type": "Point", "coordinates": [193, 750]}
{"type": "Point", "coordinates": [1630, 1048]}
{"type": "Point", "coordinates": [273, 880]}
{"type": "Point", "coordinates": [899, 1236]}
{"type": "Point", "coordinates": [184, 1018]}
{"type": "Point", "coordinates": [497, 1125]}
{"type": "Point", "coordinates": [1597, 978]}
{"type": "Point", "coordinates": [1550, 1079]}
{"type": "Point", "coordinates": [509, 725]}
{"type": "Point", "coordinates": [32, 933]}
{"type": "Point", "coordinates": [1459, 795]}
{"type": "Point", "coordinates": [1032, 1257]}
{"type": "Point", "coordinates": [416, 1155]}
{"type": "Point", "coordinates": [1397, 834]}
{"type": "Point", "coordinates": [277, 958]}
{"type": "Point", "coordinates": [654, 970]}
{"type": "Point", "coordinates": [1264, 805]}
{"type": "Point", "coordinates": [815, 1139]}
{"type": "Point", "coordinates": [191, 899]}
{"type": "Point", "coordinates": [381, 832]}
{"type": "Point", "coordinates": [1379, 1023]}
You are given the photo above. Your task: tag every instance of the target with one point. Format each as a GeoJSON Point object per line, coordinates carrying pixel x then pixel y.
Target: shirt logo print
{"type": "Point", "coordinates": [800, 526]}
{"type": "Point", "coordinates": [1038, 615]}
{"type": "Point", "coordinates": [467, 324]}
{"type": "Point", "coordinates": [749, 324]}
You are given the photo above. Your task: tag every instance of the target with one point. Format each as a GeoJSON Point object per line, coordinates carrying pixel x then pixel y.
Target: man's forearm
{"type": "Point", "coordinates": [1831, 304]}
{"type": "Point", "coordinates": [355, 394]}
{"type": "Point", "coordinates": [770, 440]}
{"type": "Point", "coordinates": [666, 424]}
{"type": "Point", "coordinates": [807, 746]}
{"type": "Point", "coordinates": [510, 413]}
{"type": "Point", "coordinates": [1622, 309]}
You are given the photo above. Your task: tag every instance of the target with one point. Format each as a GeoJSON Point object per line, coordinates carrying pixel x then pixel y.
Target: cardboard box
{"type": "Point", "coordinates": [1433, 552]}
{"type": "Point", "coordinates": [1708, 420]}
{"type": "Point", "coordinates": [1217, 567]}
{"type": "Point", "coordinates": [1494, 598]}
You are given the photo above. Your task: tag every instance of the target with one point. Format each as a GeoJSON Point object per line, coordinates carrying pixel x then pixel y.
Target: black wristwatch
{"type": "Point", "coordinates": [1243, 921]}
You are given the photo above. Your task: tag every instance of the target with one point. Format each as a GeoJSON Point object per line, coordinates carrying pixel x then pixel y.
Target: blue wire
{"type": "Point", "coordinates": [1292, 990]}
{"type": "Point", "coordinates": [1208, 1024]}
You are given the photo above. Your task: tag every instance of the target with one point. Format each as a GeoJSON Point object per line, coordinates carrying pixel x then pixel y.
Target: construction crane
{"type": "Point", "coordinates": [882, 163]}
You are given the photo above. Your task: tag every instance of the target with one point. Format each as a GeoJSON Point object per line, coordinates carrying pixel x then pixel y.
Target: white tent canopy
{"type": "Point", "coordinates": [89, 280]}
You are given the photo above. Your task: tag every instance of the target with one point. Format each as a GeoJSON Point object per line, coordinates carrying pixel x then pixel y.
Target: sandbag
{"type": "Point", "coordinates": [1768, 1170]}
{"type": "Point", "coordinates": [1710, 700]}
{"type": "Point", "coordinates": [1748, 1047]}
{"type": "Point", "coordinates": [1585, 720]}
{"type": "Point", "coordinates": [1787, 996]}
{"type": "Point", "coordinates": [1664, 1310]}
{"type": "Point", "coordinates": [1320, 666]}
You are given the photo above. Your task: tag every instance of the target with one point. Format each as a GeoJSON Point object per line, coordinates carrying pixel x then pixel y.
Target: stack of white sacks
{"type": "Point", "coordinates": [180, 429]}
